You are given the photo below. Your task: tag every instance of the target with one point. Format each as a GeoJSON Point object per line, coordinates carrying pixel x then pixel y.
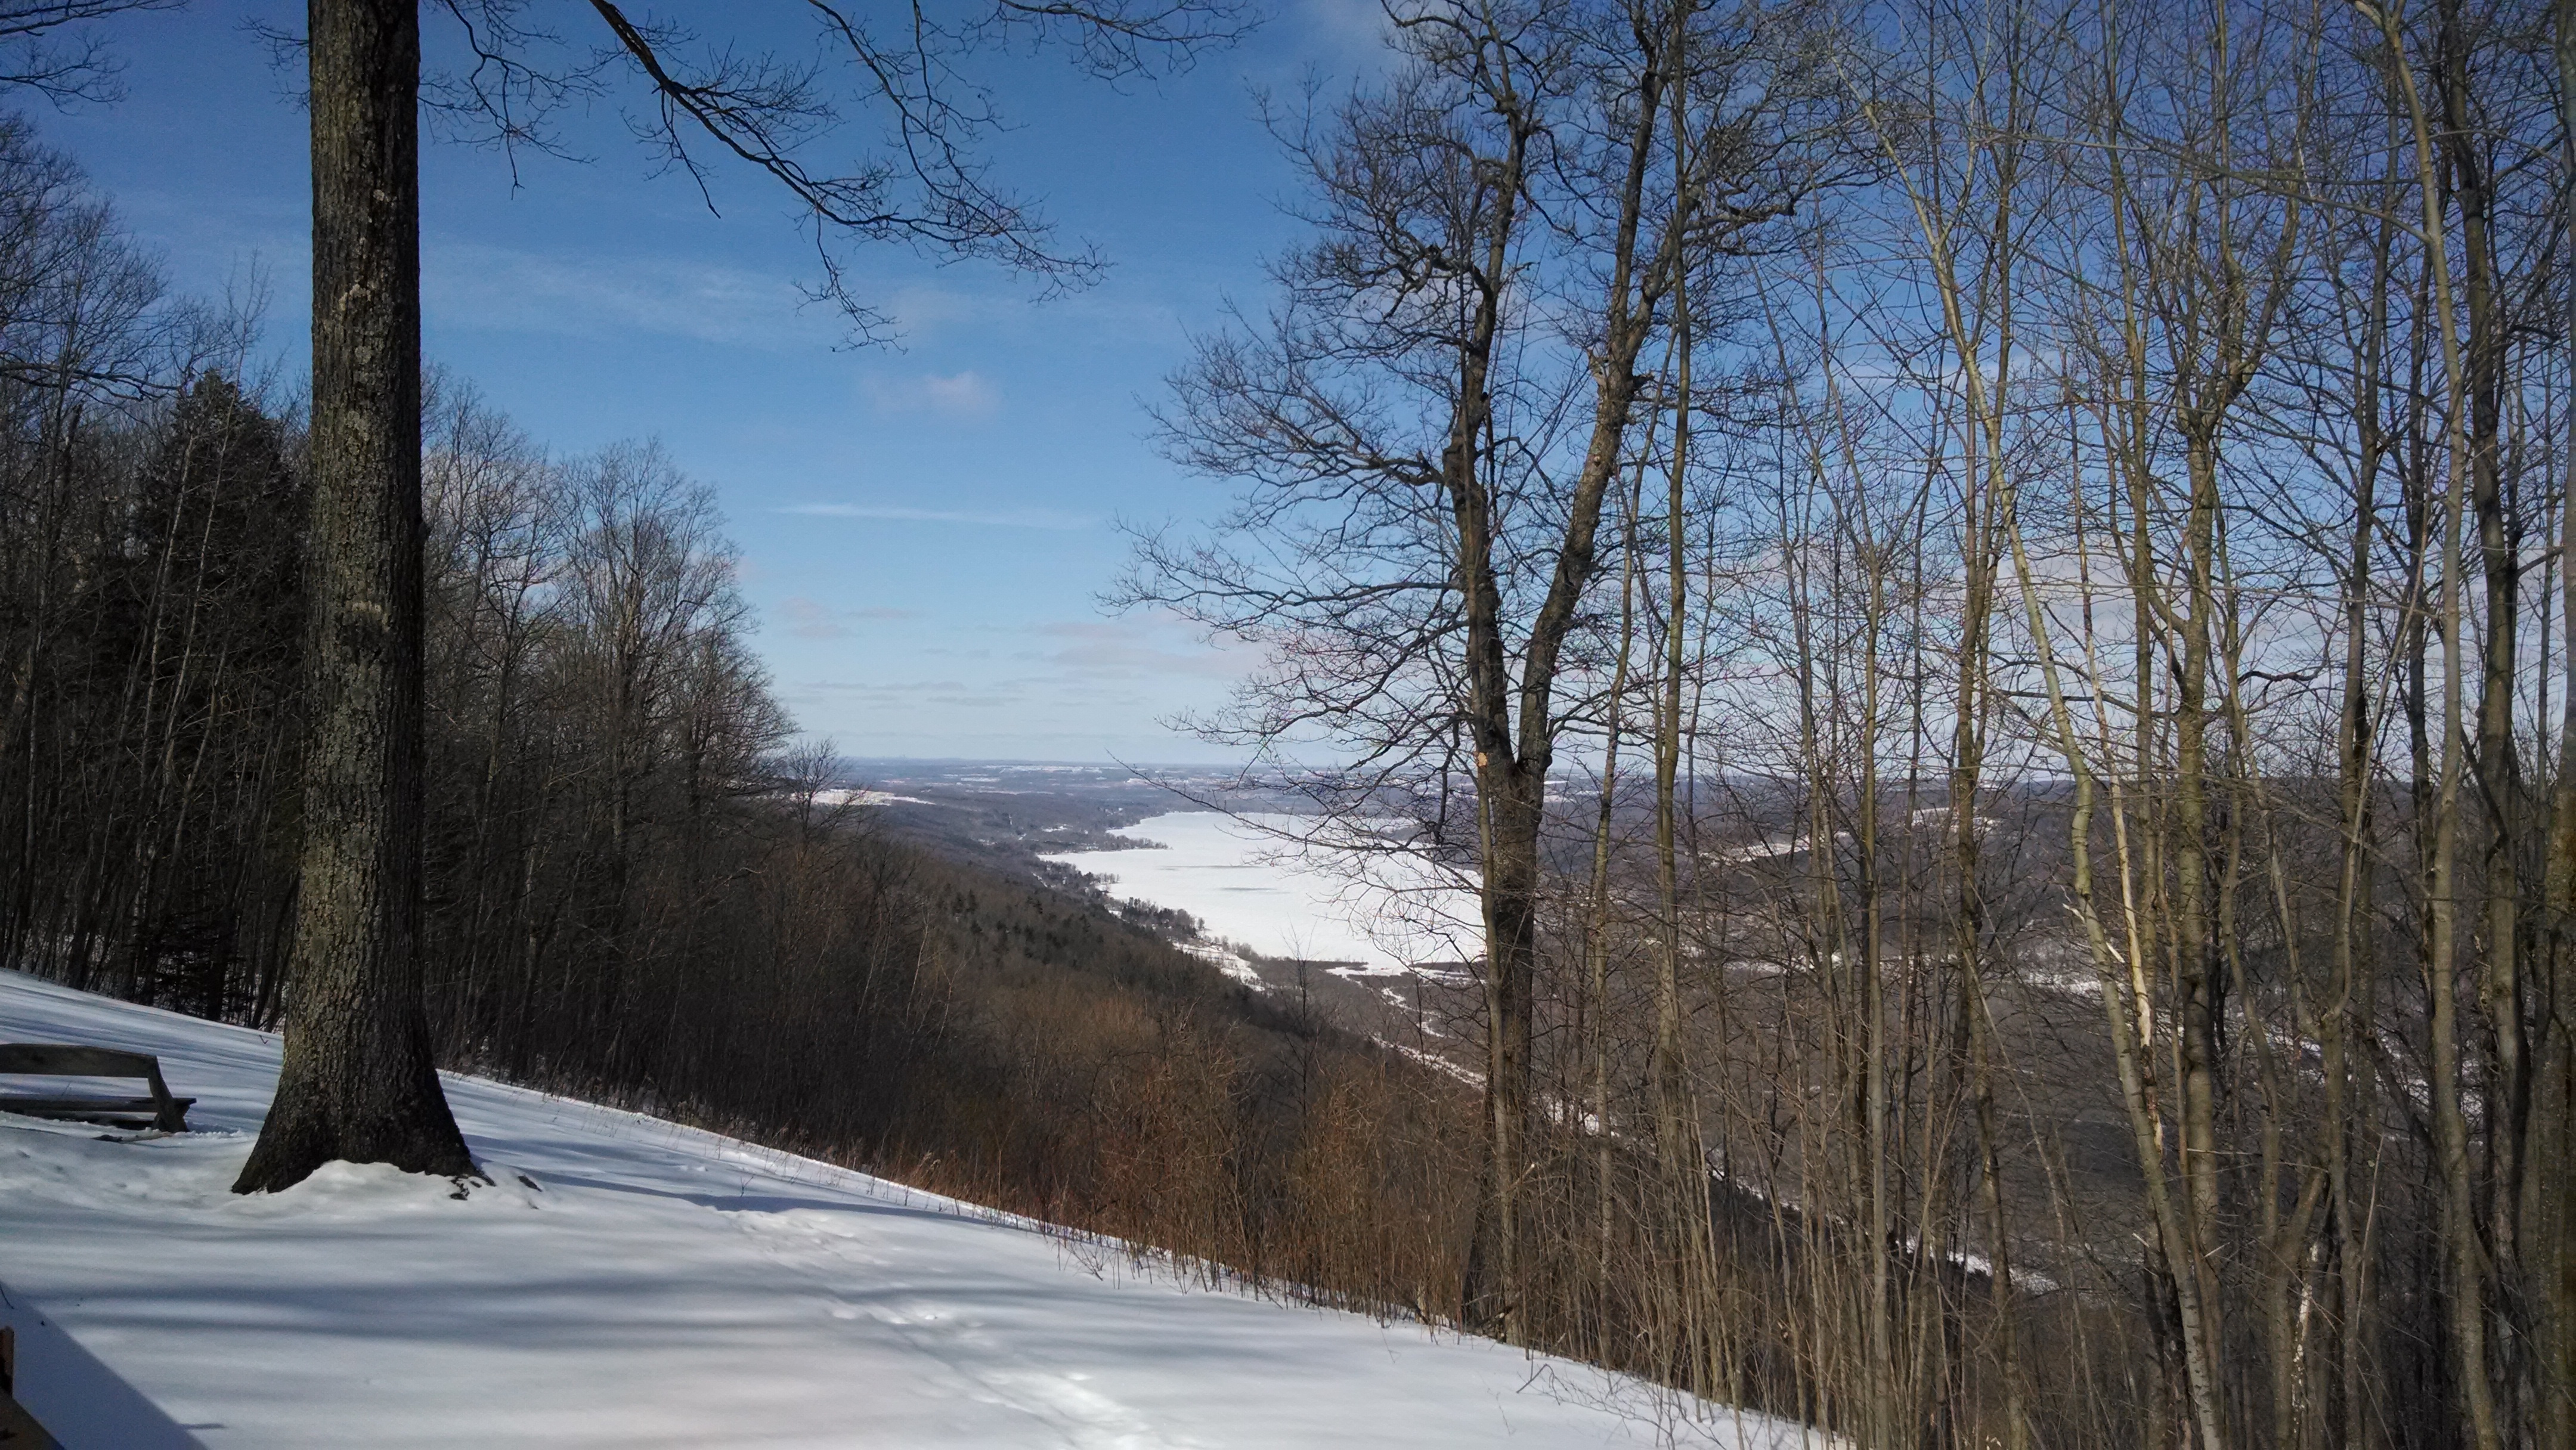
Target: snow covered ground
{"type": "Point", "coordinates": [1248, 883]}
{"type": "Point", "coordinates": [630, 1282]}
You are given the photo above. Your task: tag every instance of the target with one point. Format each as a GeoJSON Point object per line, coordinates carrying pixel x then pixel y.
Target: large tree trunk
{"type": "Point", "coordinates": [358, 1083]}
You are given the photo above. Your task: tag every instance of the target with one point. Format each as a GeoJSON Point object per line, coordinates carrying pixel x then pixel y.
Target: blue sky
{"type": "Point", "coordinates": [924, 528]}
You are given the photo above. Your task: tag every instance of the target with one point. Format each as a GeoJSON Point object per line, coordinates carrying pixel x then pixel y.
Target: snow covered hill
{"type": "Point", "coordinates": [629, 1282]}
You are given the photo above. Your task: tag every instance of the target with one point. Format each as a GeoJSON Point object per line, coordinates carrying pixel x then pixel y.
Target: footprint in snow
{"type": "Point", "coordinates": [1088, 1419]}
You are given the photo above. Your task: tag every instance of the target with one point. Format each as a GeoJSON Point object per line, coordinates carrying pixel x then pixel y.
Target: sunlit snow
{"type": "Point", "coordinates": [628, 1282]}
{"type": "Point", "coordinates": [1251, 881]}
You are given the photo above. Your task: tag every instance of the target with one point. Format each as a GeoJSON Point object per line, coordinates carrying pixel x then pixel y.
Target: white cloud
{"type": "Point", "coordinates": [1355, 29]}
{"type": "Point", "coordinates": [476, 286]}
{"type": "Point", "coordinates": [811, 619]}
{"type": "Point", "coordinates": [1119, 310]}
{"type": "Point", "coordinates": [976, 518]}
{"type": "Point", "coordinates": [952, 395]}
{"type": "Point", "coordinates": [1134, 647]}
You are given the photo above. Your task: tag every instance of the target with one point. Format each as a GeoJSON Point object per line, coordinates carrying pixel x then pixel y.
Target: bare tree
{"type": "Point", "coordinates": [1427, 457]}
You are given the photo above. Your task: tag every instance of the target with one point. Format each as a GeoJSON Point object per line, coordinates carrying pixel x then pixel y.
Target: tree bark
{"type": "Point", "coordinates": [2468, 1306]}
{"type": "Point", "coordinates": [1510, 875]}
{"type": "Point", "coordinates": [358, 1083]}
{"type": "Point", "coordinates": [2553, 1177]}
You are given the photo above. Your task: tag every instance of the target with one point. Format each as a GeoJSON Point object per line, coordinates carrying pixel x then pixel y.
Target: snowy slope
{"type": "Point", "coordinates": [659, 1286]}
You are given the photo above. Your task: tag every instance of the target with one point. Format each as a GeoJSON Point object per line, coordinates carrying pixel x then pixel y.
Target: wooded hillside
{"type": "Point", "coordinates": [636, 892]}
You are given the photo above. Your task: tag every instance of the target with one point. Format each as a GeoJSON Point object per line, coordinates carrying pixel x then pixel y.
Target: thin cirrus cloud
{"type": "Point", "coordinates": [501, 289]}
{"type": "Point", "coordinates": [1134, 648]}
{"type": "Point", "coordinates": [809, 619]}
{"type": "Point", "coordinates": [940, 395]}
{"type": "Point", "coordinates": [973, 518]}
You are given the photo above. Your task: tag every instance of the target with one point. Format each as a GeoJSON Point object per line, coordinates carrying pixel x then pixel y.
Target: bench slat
{"type": "Point", "coordinates": [39, 1106]}
{"type": "Point", "coordinates": [58, 1059]}
{"type": "Point", "coordinates": [18, 1428]}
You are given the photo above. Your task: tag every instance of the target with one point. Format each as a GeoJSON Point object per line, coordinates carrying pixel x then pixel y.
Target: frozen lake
{"type": "Point", "coordinates": [1247, 884]}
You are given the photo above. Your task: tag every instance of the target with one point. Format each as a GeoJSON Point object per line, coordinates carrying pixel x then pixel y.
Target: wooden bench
{"type": "Point", "coordinates": [53, 1059]}
{"type": "Point", "coordinates": [18, 1429]}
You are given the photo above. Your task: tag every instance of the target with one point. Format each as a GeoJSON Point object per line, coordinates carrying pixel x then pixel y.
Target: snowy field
{"type": "Point", "coordinates": [629, 1282]}
{"type": "Point", "coordinates": [1247, 882]}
